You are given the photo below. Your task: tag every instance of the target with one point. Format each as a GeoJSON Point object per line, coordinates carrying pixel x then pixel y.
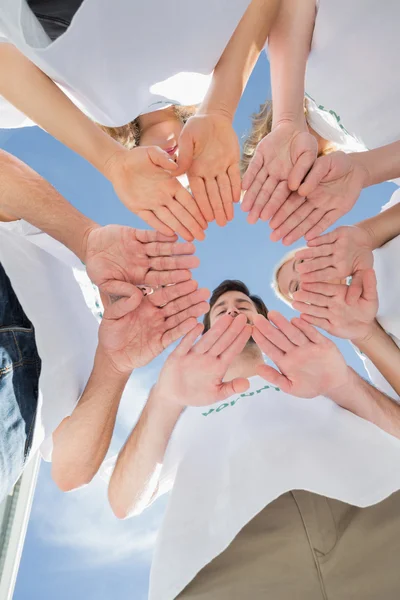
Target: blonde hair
{"type": "Point", "coordinates": [260, 127]}
{"type": "Point", "coordinates": [275, 282]}
{"type": "Point", "coordinates": [129, 135]}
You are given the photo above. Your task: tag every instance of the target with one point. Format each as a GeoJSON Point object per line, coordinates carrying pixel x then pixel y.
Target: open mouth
{"type": "Point", "coordinates": [171, 151]}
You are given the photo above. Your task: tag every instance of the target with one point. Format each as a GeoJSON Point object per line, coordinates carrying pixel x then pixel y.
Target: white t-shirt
{"type": "Point", "coordinates": [122, 58]}
{"type": "Point", "coordinates": [352, 69]}
{"type": "Point", "coordinates": [227, 461]}
{"type": "Point", "coordinates": [59, 299]}
{"type": "Point", "coordinates": [386, 265]}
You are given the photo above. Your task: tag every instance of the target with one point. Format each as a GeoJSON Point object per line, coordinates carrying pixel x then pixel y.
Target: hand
{"type": "Point", "coordinates": [193, 374]}
{"type": "Point", "coordinates": [209, 153]}
{"type": "Point", "coordinates": [136, 329]}
{"type": "Point", "coordinates": [115, 254]}
{"type": "Point", "coordinates": [324, 305]}
{"type": "Point", "coordinates": [280, 163]}
{"type": "Point", "coordinates": [330, 190]}
{"type": "Point", "coordinates": [337, 255]}
{"type": "Point", "coordinates": [143, 180]}
{"type": "Point", "coordinates": [310, 365]}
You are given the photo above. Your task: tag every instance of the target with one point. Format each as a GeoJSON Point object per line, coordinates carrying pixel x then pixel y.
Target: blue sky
{"type": "Point", "coordinates": [74, 547]}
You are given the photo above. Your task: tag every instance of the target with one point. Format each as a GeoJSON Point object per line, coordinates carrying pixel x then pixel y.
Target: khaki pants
{"type": "Point", "coordinates": [307, 547]}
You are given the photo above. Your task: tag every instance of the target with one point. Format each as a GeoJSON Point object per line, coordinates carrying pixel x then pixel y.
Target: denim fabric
{"type": "Point", "coordinates": [19, 378]}
{"type": "Point", "coordinates": [55, 16]}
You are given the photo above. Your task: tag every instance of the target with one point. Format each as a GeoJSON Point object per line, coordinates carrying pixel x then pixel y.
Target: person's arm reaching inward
{"type": "Point", "coordinates": [191, 376]}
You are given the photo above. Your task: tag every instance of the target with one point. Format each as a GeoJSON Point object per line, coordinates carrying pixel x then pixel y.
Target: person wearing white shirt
{"type": "Point", "coordinates": [283, 482]}
{"type": "Point", "coordinates": [50, 313]}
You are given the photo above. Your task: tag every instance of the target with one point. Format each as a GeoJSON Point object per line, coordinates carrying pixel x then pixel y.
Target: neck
{"type": "Point", "coordinates": [245, 365]}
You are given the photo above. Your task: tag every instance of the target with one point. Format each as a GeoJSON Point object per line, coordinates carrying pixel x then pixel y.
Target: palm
{"type": "Point", "coordinates": [353, 251]}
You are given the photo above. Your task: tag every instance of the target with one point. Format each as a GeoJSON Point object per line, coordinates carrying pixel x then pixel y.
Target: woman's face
{"type": "Point", "coordinates": [289, 278]}
{"type": "Point", "coordinates": [161, 128]}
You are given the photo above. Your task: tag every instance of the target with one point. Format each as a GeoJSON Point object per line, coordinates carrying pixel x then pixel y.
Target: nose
{"type": "Point", "coordinates": [233, 312]}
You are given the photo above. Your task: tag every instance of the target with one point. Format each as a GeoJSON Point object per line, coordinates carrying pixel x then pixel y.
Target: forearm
{"type": "Point", "coordinates": [26, 87]}
{"type": "Point", "coordinates": [365, 401]}
{"type": "Point", "coordinates": [81, 441]}
{"type": "Point", "coordinates": [24, 194]}
{"type": "Point", "coordinates": [382, 164]}
{"type": "Point", "coordinates": [379, 347]}
{"type": "Point", "coordinates": [288, 47]}
{"type": "Point", "coordinates": [383, 227]}
{"type": "Point", "coordinates": [239, 58]}
{"type": "Point", "coordinates": [133, 481]}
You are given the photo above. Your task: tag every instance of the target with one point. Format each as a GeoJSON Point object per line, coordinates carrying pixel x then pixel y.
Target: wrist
{"type": "Point", "coordinates": [363, 340]}
{"type": "Point", "coordinates": [363, 162]}
{"type": "Point", "coordinates": [346, 393]}
{"type": "Point", "coordinates": [369, 230]}
{"type": "Point", "coordinates": [163, 405]}
{"type": "Point", "coordinates": [104, 363]}
{"type": "Point", "coordinates": [296, 119]}
{"type": "Point", "coordinates": [110, 165]}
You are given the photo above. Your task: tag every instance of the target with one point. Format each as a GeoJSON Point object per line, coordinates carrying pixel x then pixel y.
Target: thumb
{"type": "Point", "coordinates": [355, 288]}
{"type": "Point", "coordinates": [273, 376]}
{"type": "Point", "coordinates": [319, 170]}
{"type": "Point", "coordinates": [159, 158]}
{"type": "Point", "coordinates": [120, 298]}
{"type": "Point", "coordinates": [305, 150]}
{"type": "Point", "coordinates": [370, 293]}
{"type": "Point", "coordinates": [236, 386]}
{"type": "Point", "coordinates": [185, 152]}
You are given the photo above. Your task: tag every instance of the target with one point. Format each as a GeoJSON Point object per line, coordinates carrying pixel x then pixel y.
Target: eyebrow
{"type": "Point", "coordinates": [238, 300]}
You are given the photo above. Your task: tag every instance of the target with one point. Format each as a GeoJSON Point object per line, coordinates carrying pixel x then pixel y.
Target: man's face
{"type": "Point", "coordinates": [233, 303]}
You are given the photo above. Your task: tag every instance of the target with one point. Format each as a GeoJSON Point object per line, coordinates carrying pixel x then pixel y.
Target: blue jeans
{"type": "Point", "coordinates": [19, 378]}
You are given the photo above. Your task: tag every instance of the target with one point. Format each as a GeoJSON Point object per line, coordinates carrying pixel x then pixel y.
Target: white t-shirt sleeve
{"type": "Point", "coordinates": [395, 198]}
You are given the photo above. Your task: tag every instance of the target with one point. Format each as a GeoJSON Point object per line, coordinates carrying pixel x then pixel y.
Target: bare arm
{"type": "Point", "coordinates": [82, 440]}
{"type": "Point", "coordinates": [379, 347]}
{"type": "Point", "coordinates": [24, 194]}
{"type": "Point", "coordinates": [26, 87]}
{"type": "Point", "coordinates": [383, 227]}
{"type": "Point", "coordinates": [365, 401]}
{"type": "Point", "coordinates": [381, 164]}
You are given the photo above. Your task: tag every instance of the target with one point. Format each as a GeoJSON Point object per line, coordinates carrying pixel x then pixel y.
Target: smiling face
{"type": "Point", "coordinates": [288, 279]}
{"type": "Point", "coordinates": [233, 303]}
{"type": "Point", "coordinates": [161, 128]}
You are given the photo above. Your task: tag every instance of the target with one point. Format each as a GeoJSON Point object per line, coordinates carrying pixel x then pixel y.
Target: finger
{"type": "Point", "coordinates": [273, 376]}
{"type": "Point", "coordinates": [164, 248]}
{"type": "Point", "coordinates": [277, 200]}
{"type": "Point", "coordinates": [266, 346]}
{"type": "Point", "coordinates": [317, 264]}
{"type": "Point", "coordinates": [228, 337]}
{"type": "Point", "coordinates": [313, 335]}
{"type": "Point", "coordinates": [170, 336]}
{"type": "Point", "coordinates": [299, 216]}
{"type": "Point", "coordinates": [186, 199]}
{"type": "Point", "coordinates": [199, 192]}
{"type": "Point", "coordinates": [327, 238]}
{"type": "Point", "coordinates": [185, 302]}
{"type": "Point", "coordinates": [147, 236]}
{"type": "Point", "coordinates": [150, 218]}
{"type": "Point", "coordinates": [158, 278]}
{"type": "Point", "coordinates": [319, 170]}
{"type": "Point", "coordinates": [370, 292]}
{"type": "Point", "coordinates": [213, 334]}
{"type": "Point", "coordinates": [216, 201]}
{"type": "Point", "coordinates": [293, 202]}
{"type": "Point", "coordinates": [237, 345]}
{"type": "Point", "coordinates": [325, 289]}
{"type": "Point", "coordinates": [312, 298]}
{"type": "Point", "coordinates": [163, 295]}
{"type": "Point", "coordinates": [253, 191]}
{"type": "Point", "coordinates": [253, 170]}
{"type": "Point", "coordinates": [300, 169]}
{"type": "Point", "coordinates": [185, 152]}
{"type": "Point", "coordinates": [196, 310]}
{"type": "Point", "coordinates": [292, 333]}
{"type": "Point", "coordinates": [188, 340]}
{"type": "Point", "coordinates": [262, 199]}
{"type": "Point", "coordinates": [236, 386]}
{"type": "Point", "coordinates": [235, 181]}
{"type": "Point", "coordinates": [311, 309]}
{"type": "Point", "coordinates": [276, 336]}
{"type": "Point", "coordinates": [327, 274]}
{"type": "Point", "coordinates": [326, 221]}
{"type": "Point", "coordinates": [308, 254]}
{"type": "Point", "coordinates": [187, 220]}
{"type": "Point", "coordinates": [303, 227]}
{"type": "Point", "coordinates": [169, 263]}
{"type": "Point", "coordinates": [225, 190]}
{"type": "Point", "coordinates": [161, 159]}
{"type": "Point", "coordinates": [166, 216]}
{"type": "Point", "coordinates": [119, 305]}
{"type": "Point", "coordinates": [318, 322]}
{"type": "Point", "coordinates": [355, 289]}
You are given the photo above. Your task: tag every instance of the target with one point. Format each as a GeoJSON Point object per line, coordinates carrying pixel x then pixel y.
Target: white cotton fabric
{"type": "Point", "coordinates": [227, 461]}
{"type": "Point", "coordinates": [120, 59]}
{"type": "Point", "coordinates": [353, 65]}
{"type": "Point", "coordinates": [387, 269]}
{"type": "Point", "coordinates": [61, 302]}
